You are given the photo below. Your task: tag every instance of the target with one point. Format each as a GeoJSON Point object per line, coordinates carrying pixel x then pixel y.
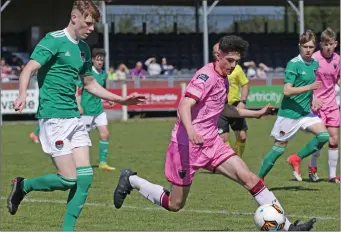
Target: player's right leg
{"type": "Point", "coordinates": [284, 130]}
{"type": "Point", "coordinates": [235, 169]}
{"type": "Point", "coordinates": [177, 172]}
{"type": "Point", "coordinates": [53, 137]}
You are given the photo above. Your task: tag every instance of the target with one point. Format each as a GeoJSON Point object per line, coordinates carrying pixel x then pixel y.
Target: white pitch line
{"type": "Point", "coordinates": [161, 209]}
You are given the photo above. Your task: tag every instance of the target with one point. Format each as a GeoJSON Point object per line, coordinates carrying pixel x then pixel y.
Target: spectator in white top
{"type": "Point", "coordinates": [153, 68]}
{"type": "Point", "coordinates": [122, 72]}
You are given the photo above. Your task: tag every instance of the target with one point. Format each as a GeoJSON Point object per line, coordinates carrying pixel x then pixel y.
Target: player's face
{"type": "Point", "coordinates": [228, 61]}
{"type": "Point", "coordinates": [98, 62]}
{"type": "Point", "coordinates": [307, 49]}
{"type": "Point", "coordinates": [84, 25]}
{"type": "Point", "coordinates": [328, 47]}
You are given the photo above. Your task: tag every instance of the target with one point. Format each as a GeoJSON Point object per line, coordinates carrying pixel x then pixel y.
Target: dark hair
{"type": "Point", "coordinates": [98, 52]}
{"type": "Point", "coordinates": [232, 43]}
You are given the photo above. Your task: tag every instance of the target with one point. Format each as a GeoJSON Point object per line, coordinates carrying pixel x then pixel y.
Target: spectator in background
{"type": "Point", "coordinates": [122, 72]}
{"type": "Point", "coordinates": [153, 67]}
{"type": "Point", "coordinates": [111, 74]}
{"type": "Point", "coordinates": [138, 71]}
{"type": "Point", "coordinates": [166, 69]}
{"type": "Point", "coordinates": [6, 71]}
{"type": "Point", "coordinates": [262, 70]}
{"type": "Point", "coordinates": [251, 69]}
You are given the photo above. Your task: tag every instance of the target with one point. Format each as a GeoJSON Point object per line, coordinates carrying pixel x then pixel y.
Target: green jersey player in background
{"type": "Point", "coordinates": [61, 57]}
{"type": "Point", "coordinates": [91, 108]}
{"type": "Point", "coordinates": [295, 110]}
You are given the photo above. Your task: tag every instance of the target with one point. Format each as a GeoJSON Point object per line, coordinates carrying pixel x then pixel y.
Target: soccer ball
{"type": "Point", "coordinates": [269, 217]}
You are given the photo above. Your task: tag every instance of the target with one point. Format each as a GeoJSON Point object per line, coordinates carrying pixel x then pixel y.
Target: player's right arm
{"type": "Point", "coordinates": [43, 52]}
{"type": "Point", "coordinates": [196, 91]}
{"type": "Point", "coordinates": [290, 76]}
{"type": "Point", "coordinates": [24, 81]}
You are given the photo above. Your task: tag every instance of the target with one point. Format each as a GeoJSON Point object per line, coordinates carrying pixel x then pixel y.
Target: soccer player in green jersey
{"type": "Point", "coordinates": [295, 110]}
{"type": "Point", "coordinates": [92, 111]}
{"type": "Point", "coordinates": [60, 58]}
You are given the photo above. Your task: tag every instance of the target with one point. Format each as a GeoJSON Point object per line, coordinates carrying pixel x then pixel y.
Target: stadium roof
{"type": "Point", "coordinates": [224, 2]}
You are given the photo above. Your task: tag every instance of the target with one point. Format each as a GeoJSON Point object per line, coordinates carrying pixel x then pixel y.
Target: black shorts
{"type": "Point", "coordinates": [237, 124]}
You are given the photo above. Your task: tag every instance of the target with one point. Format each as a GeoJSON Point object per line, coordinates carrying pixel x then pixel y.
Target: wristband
{"type": "Point", "coordinates": [244, 101]}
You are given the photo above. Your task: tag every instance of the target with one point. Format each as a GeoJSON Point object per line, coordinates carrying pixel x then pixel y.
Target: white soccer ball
{"type": "Point", "coordinates": [269, 217]}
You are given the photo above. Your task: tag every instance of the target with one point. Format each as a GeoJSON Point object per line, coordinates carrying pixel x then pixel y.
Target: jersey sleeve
{"type": "Point", "coordinates": [79, 83]}
{"type": "Point", "coordinates": [290, 73]}
{"type": "Point", "coordinates": [45, 49]}
{"type": "Point", "coordinates": [242, 79]}
{"type": "Point", "coordinates": [87, 66]}
{"type": "Point", "coordinates": [199, 86]}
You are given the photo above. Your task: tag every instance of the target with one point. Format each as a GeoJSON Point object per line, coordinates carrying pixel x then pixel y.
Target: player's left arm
{"type": "Point", "coordinates": [234, 112]}
{"type": "Point", "coordinates": [92, 86]}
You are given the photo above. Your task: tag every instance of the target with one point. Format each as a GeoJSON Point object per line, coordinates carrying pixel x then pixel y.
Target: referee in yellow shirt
{"type": "Point", "coordinates": [238, 92]}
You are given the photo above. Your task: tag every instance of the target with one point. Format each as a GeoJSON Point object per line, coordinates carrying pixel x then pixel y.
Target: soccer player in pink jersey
{"type": "Point", "coordinates": [195, 142]}
{"type": "Point", "coordinates": [325, 105]}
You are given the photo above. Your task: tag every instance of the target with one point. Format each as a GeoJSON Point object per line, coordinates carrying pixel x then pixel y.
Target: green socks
{"type": "Point", "coordinates": [77, 197]}
{"type": "Point", "coordinates": [36, 130]}
{"type": "Point", "coordinates": [314, 145]}
{"type": "Point", "coordinates": [48, 183]}
{"type": "Point", "coordinates": [270, 159]}
{"type": "Point", "coordinates": [103, 150]}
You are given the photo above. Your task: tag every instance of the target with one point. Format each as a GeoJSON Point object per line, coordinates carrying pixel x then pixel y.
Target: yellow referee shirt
{"type": "Point", "coordinates": [236, 79]}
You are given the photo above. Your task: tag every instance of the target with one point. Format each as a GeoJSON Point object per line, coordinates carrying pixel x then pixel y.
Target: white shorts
{"type": "Point", "coordinates": [285, 129]}
{"type": "Point", "coordinates": [59, 136]}
{"type": "Point", "coordinates": [91, 122]}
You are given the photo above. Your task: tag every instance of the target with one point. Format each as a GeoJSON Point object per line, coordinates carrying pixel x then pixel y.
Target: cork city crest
{"type": "Point", "coordinates": [82, 56]}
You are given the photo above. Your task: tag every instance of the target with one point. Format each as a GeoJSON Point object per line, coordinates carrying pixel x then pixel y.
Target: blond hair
{"type": "Point", "coordinates": [307, 36]}
{"type": "Point", "coordinates": [328, 35]}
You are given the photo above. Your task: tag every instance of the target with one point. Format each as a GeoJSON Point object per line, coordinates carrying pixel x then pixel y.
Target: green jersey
{"type": "Point", "coordinates": [92, 105]}
{"type": "Point", "coordinates": [62, 60]}
{"type": "Point", "coordinates": [298, 73]}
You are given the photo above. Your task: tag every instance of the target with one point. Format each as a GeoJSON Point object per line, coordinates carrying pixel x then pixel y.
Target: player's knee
{"type": "Point", "coordinates": [242, 137]}
{"type": "Point", "coordinates": [323, 137]}
{"type": "Point", "coordinates": [333, 141]}
{"type": "Point", "coordinates": [176, 205]}
{"type": "Point", "coordinates": [104, 135]}
{"type": "Point", "coordinates": [67, 183]}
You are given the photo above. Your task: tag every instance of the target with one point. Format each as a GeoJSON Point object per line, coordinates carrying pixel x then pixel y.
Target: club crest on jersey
{"type": "Point", "coordinates": [203, 77]}
{"type": "Point", "coordinates": [82, 56]}
{"type": "Point", "coordinates": [182, 173]}
{"type": "Point", "coordinates": [59, 144]}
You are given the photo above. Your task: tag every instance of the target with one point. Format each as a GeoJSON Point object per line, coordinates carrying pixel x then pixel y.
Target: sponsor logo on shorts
{"type": "Point", "coordinates": [282, 133]}
{"type": "Point", "coordinates": [59, 144]}
{"type": "Point", "coordinates": [182, 173]}
{"type": "Point", "coordinates": [220, 131]}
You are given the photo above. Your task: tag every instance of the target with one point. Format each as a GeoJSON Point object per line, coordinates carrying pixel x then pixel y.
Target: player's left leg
{"type": "Point", "coordinates": [80, 142]}
{"type": "Point", "coordinates": [35, 134]}
{"type": "Point", "coordinates": [101, 122]}
{"type": "Point", "coordinates": [240, 128]}
{"type": "Point", "coordinates": [235, 169]}
{"type": "Point", "coordinates": [313, 124]}
{"type": "Point", "coordinates": [333, 154]}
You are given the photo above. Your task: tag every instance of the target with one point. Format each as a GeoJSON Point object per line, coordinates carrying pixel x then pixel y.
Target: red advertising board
{"type": "Point", "coordinates": [158, 99]}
